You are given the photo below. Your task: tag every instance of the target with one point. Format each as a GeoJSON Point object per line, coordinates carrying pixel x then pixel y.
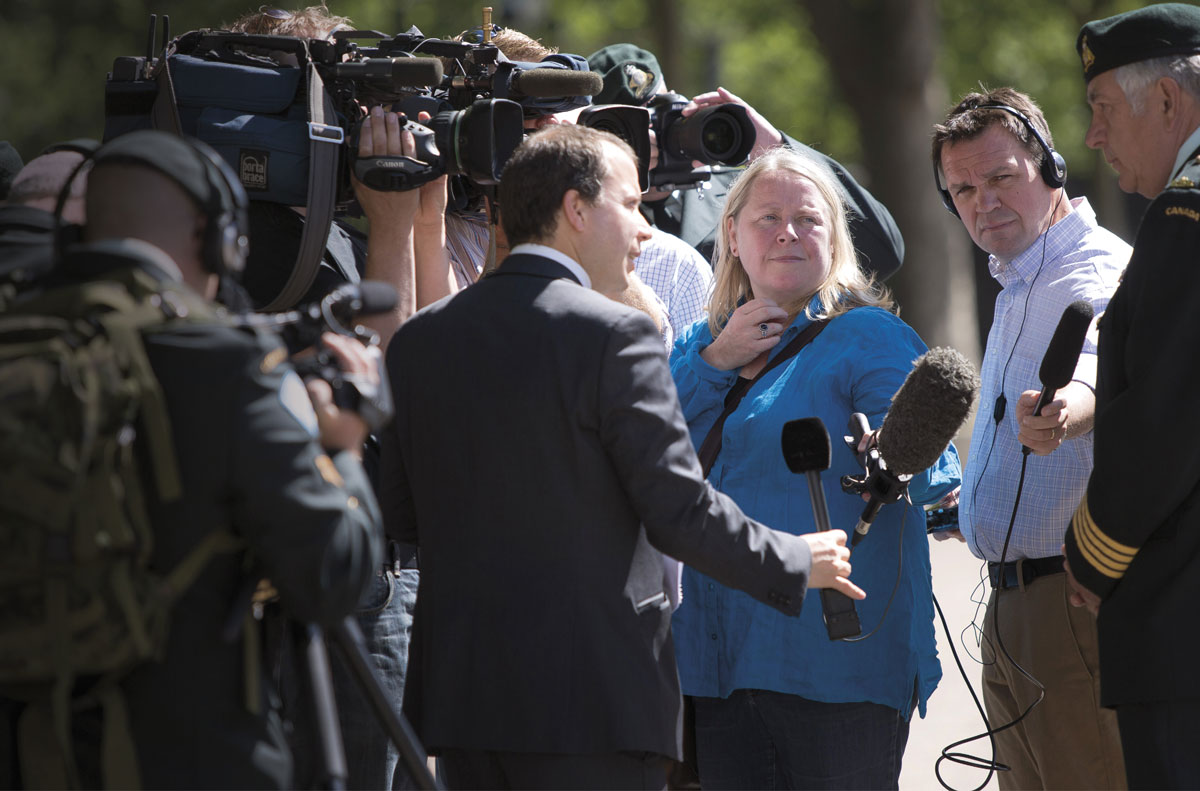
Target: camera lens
{"type": "Point", "coordinates": [720, 137]}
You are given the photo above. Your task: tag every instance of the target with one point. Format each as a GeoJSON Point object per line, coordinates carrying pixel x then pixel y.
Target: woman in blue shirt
{"type": "Point", "coordinates": [777, 703]}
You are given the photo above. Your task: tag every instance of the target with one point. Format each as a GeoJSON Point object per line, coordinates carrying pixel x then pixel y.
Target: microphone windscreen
{"type": "Point", "coordinates": [806, 445]}
{"type": "Point", "coordinates": [376, 297]}
{"type": "Point", "coordinates": [927, 411]}
{"type": "Point", "coordinates": [546, 83]}
{"type": "Point", "coordinates": [417, 72]}
{"type": "Point", "coordinates": [1058, 365]}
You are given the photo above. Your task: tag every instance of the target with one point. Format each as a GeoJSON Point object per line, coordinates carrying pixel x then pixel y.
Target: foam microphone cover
{"type": "Point", "coordinates": [556, 82]}
{"type": "Point", "coordinates": [1058, 364]}
{"type": "Point", "coordinates": [927, 411]}
{"type": "Point", "coordinates": [376, 296]}
{"type": "Point", "coordinates": [806, 445]}
{"type": "Point", "coordinates": [362, 299]}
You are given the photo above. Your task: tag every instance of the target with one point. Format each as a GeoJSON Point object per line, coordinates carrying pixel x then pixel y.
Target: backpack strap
{"type": "Point", "coordinates": [711, 447]}
{"type": "Point", "coordinates": [325, 142]}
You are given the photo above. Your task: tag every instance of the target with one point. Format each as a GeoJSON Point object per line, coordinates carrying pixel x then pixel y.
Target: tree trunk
{"type": "Point", "coordinates": [882, 55]}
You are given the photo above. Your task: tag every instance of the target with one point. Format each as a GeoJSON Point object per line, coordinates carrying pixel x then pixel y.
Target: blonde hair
{"type": "Point", "coordinates": [845, 287]}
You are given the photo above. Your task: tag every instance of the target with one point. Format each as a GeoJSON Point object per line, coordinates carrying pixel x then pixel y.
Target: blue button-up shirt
{"type": "Point", "coordinates": [1075, 259]}
{"type": "Point", "coordinates": [725, 640]}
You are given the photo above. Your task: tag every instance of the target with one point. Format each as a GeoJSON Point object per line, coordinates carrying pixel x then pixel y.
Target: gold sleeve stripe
{"type": "Point", "coordinates": [1097, 548]}
{"type": "Point", "coordinates": [1097, 561]}
{"type": "Point", "coordinates": [329, 471]}
{"type": "Point", "coordinates": [273, 359]}
{"type": "Point", "coordinates": [1115, 549]}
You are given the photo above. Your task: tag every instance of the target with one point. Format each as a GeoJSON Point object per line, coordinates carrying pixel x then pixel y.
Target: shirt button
{"type": "Point", "coordinates": [711, 586]}
{"type": "Point", "coordinates": [714, 635]}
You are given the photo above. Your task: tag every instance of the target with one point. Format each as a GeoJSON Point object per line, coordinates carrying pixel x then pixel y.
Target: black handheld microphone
{"type": "Point", "coordinates": [1062, 354]}
{"type": "Point", "coordinates": [926, 412]}
{"type": "Point", "coordinates": [806, 450]}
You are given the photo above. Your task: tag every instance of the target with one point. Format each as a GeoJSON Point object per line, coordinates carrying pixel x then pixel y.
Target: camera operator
{"type": "Point", "coordinates": [632, 76]}
{"type": "Point", "coordinates": [385, 254]}
{"type": "Point", "coordinates": [254, 458]}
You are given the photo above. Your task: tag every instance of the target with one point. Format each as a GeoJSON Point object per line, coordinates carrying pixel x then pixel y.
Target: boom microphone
{"type": "Point", "coordinates": [926, 412]}
{"type": "Point", "coordinates": [806, 450]}
{"type": "Point", "coordinates": [546, 83]}
{"type": "Point", "coordinates": [1058, 365]}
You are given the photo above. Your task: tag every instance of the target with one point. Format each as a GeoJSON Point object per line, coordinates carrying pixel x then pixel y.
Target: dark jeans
{"type": "Point", "coordinates": [756, 739]}
{"type": "Point", "coordinates": [1161, 742]}
{"type": "Point", "coordinates": [372, 761]}
{"type": "Point", "coordinates": [492, 769]}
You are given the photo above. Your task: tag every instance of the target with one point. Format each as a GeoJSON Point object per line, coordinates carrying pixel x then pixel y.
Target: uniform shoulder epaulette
{"type": "Point", "coordinates": [1189, 175]}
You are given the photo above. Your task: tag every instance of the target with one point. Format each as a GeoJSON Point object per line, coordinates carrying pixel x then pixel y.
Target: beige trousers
{"type": "Point", "coordinates": [1068, 741]}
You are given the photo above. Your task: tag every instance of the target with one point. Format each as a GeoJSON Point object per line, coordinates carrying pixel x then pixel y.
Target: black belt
{"type": "Point", "coordinates": [1018, 573]}
{"type": "Point", "coordinates": [399, 556]}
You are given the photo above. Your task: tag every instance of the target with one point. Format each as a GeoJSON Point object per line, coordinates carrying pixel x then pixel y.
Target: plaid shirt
{"type": "Point", "coordinates": [679, 275]}
{"type": "Point", "coordinates": [1075, 259]}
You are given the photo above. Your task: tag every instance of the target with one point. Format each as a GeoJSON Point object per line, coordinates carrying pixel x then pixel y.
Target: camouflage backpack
{"type": "Point", "coordinates": [77, 595]}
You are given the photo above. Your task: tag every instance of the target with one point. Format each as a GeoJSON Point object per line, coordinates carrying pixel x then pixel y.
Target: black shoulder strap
{"type": "Point", "coordinates": [711, 447]}
{"type": "Point", "coordinates": [325, 139]}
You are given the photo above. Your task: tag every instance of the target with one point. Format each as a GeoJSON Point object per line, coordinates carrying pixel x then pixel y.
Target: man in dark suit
{"type": "Point", "coordinates": [540, 461]}
{"type": "Point", "coordinates": [1134, 543]}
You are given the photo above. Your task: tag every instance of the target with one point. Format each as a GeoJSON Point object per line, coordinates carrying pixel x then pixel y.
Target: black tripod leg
{"type": "Point", "coordinates": [316, 663]}
{"type": "Point", "coordinates": [349, 638]}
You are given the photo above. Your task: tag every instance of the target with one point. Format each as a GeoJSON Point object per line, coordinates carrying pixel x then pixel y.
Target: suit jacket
{"type": "Point", "coordinates": [537, 430]}
{"type": "Point", "coordinates": [1135, 539]}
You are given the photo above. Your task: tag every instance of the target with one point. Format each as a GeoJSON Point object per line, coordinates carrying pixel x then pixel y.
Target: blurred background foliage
{"type": "Point", "coordinates": [766, 51]}
{"type": "Point", "coordinates": [58, 52]}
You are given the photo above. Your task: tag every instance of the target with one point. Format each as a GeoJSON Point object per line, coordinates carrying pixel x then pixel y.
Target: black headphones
{"type": "Point", "coordinates": [227, 230]}
{"type": "Point", "coordinates": [1054, 167]}
{"type": "Point", "coordinates": [224, 202]}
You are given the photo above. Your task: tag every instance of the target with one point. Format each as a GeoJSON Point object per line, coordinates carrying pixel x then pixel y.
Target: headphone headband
{"type": "Point", "coordinates": [201, 172]}
{"type": "Point", "coordinates": [1053, 167]}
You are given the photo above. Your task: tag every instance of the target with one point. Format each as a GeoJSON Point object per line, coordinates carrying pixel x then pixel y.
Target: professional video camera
{"type": "Point", "coordinates": [479, 106]}
{"type": "Point", "coordinates": [256, 100]}
{"type": "Point", "coordinates": [302, 328]}
{"type": "Point", "coordinates": [285, 113]}
{"type": "Point", "coordinates": [721, 135]}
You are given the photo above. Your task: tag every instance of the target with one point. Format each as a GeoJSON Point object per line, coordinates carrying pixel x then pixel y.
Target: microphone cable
{"type": "Point", "coordinates": [967, 759]}
{"type": "Point", "coordinates": [895, 586]}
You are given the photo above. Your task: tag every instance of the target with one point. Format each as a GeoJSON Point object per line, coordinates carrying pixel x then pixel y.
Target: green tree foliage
{"type": "Point", "coordinates": [58, 52]}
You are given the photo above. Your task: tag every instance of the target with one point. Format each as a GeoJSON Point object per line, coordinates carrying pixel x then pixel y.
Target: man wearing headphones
{"type": "Point", "coordinates": [254, 459]}
{"type": "Point", "coordinates": [996, 171]}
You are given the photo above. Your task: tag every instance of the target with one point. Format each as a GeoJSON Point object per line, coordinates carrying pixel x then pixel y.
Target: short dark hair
{"type": "Point", "coordinates": [541, 171]}
{"type": "Point", "coordinates": [967, 121]}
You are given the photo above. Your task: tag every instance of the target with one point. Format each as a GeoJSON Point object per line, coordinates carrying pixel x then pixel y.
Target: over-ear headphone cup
{"type": "Point", "coordinates": [1054, 169]}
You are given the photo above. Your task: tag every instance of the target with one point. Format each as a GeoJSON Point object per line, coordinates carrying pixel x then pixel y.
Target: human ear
{"type": "Point", "coordinates": [573, 206]}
